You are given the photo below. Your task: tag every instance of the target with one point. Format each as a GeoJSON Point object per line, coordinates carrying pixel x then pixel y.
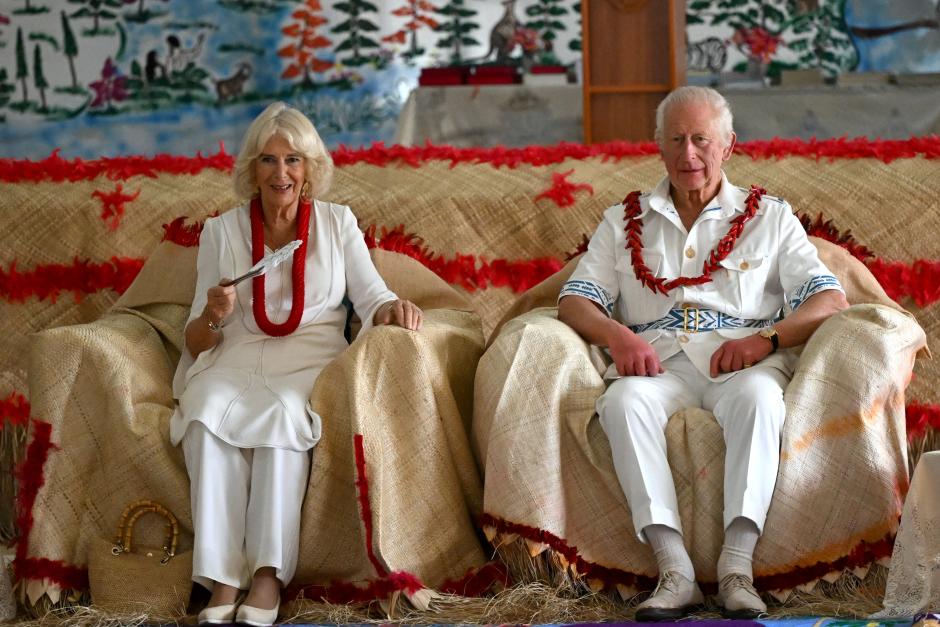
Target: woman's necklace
{"type": "Point", "coordinates": [298, 265]}
{"type": "Point", "coordinates": [634, 231]}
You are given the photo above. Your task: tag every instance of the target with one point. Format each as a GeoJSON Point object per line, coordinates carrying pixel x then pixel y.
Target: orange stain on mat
{"type": "Point", "coordinates": [845, 425]}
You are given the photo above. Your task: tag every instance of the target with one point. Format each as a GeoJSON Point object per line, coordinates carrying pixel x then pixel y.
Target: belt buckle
{"type": "Point", "coordinates": [685, 320]}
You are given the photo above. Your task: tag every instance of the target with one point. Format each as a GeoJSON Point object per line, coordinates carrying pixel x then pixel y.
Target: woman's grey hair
{"type": "Point", "coordinates": [298, 130]}
{"type": "Point", "coordinates": [699, 95]}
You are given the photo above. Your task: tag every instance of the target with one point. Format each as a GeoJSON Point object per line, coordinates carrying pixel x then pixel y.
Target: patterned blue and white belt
{"type": "Point", "coordinates": [693, 320]}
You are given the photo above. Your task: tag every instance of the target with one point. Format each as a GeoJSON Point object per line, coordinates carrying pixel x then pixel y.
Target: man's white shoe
{"type": "Point", "coordinates": [673, 598]}
{"type": "Point", "coordinates": [738, 597]}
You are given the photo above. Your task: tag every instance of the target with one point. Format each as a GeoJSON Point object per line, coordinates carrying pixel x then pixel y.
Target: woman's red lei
{"type": "Point", "coordinates": [634, 231]}
{"type": "Point", "coordinates": [298, 265]}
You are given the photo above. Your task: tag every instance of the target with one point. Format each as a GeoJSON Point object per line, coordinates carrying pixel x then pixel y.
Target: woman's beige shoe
{"type": "Point", "coordinates": [218, 615]}
{"type": "Point", "coordinates": [257, 617]}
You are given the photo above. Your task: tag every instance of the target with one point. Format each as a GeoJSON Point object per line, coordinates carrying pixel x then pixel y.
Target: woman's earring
{"type": "Point", "coordinates": [305, 190]}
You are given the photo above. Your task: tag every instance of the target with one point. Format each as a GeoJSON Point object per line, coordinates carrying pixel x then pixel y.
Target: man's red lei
{"type": "Point", "coordinates": [298, 265]}
{"type": "Point", "coordinates": [634, 231]}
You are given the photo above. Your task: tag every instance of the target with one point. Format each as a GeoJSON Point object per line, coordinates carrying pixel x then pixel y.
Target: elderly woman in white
{"type": "Point", "coordinates": [693, 288]}
{"type": "Point", "coordinates": [255, 350]}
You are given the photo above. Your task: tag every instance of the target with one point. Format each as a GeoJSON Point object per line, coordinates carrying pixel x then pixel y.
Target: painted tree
{"type": "Point", "coordinates": [39, 77]}
{"type": "Point", "coordinates": [70, 47]}
{"type": "Point", "coordinates": [97, 10]}
{"type": "Point", "coordinates": [22, 70]}
{"type": "Point", "coordinates": [458, 23]}
{"type": "Point", "coordinates": [546, 21]}
{"type": "Point", "coordinates": [355, 26]}
{"type": "Point", "coordinates": [575, 43]}
{"type": "Point", "coordinates": [142, 14]}
{"type": "Point", "coordinates": [418, 13]}
{"type": "Point", "coordinates": [301, 53]}
{"type": "Point", "coordinates": [6, 90]}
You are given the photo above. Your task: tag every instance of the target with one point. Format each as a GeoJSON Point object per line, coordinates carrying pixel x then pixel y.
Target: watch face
{"type": "Point", "coordinates": [768, 332]}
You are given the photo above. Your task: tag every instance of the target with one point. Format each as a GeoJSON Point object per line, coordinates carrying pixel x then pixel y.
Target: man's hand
{"type": "Point", "coordinates": [403, 313]}
{"type": "Point", "coordinates": [632, 355]}
{"type": "Point", "coordinates": [734, 355]}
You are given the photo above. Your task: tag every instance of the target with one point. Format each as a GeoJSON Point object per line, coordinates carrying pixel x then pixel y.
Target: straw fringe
{"type": "Point", "coordinates": [525, 603]}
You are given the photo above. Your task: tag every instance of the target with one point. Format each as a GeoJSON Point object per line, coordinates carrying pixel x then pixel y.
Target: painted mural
{"type": "Point", "coordinates": [762, 38]}
{"type": "Point", "coordinates": [110, 77]}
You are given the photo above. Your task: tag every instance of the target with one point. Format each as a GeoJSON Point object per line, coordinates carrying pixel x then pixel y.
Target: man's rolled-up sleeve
{"type": "Point", "coordinates": [802, 274]}
{"type": "Point", "coordinates": [595, 278]}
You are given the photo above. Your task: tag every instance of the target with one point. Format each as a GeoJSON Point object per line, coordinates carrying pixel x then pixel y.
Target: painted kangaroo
{"type": "Point", "coordinates": [503, 35]}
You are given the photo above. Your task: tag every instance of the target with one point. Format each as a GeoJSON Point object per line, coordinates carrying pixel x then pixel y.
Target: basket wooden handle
{"type": "Point", "coordinates": [123, 541]}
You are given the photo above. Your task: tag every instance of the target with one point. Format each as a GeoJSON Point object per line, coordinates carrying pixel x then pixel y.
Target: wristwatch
{"type": "Point", "coordinates": [215, 326]}
{"type": "Point", "coordinates": [771, 334]}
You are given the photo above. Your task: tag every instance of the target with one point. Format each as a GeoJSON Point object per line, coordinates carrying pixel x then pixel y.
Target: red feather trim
{"type": "Point", "coordinates": [365, 509]}
{"type": "Point", "coordinates": [561, 191]}
{"type": "Point", "coordinates": [826, 230]}
{"type": "Point", "coordinates": [112, 205]}
{"type": "Point", "coordinates": [55, 168]}
{"type": "Point", "coordinates": [886, 150]}
{"type": "Point", "coordinates": [14, 410]}
{"type": "Point", "coordinates": [477, 581]}
{"type": "Point", "coordinates": [467, 271]}
{"type": "Point", "coordinates": [609, 576]}
{"type": "Point", "coordinates": [181, 233]}
{"type": "Point", "coordinates": [343, 592]}
{"type": "Point", "coordinates": [47, 281]}
{"type": "Point", "coordinates": [921, 419]}
{"type": "Point", "coordinates": [920, 280]}
{"type": "Point", "coordinates": [863, 554]}
{"type": "Point", "coordinates": [580, 248]}
{"type": "Point", "coordinates": [30, 477]}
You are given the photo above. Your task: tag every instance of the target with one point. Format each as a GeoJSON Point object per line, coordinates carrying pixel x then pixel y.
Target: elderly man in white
{"type": "Point", "coordinates": [696, 289]}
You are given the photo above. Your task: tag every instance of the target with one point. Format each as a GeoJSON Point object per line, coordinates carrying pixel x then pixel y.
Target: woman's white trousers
{"type": "Point", "coordinates": [246, 508]}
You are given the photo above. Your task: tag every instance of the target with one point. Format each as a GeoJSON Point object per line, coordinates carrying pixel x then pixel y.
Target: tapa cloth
{"type": "Point", "coordinates": [843, 467]}
{"type": "Point", "coordinates": [105, 389]}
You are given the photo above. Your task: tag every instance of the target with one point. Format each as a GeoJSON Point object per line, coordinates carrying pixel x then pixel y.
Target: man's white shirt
{"type": "Point", "coordinates": [771, 271]}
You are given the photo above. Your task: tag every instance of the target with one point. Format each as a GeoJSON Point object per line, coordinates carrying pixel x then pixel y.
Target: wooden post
{"type": "Point", "coordinates": [633, 53]}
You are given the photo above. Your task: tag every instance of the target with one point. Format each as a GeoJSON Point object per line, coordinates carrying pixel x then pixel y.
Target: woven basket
{"type": "Point", "coordinates": [146, 580]}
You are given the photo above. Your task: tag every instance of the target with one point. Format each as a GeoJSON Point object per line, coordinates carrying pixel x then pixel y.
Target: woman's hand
{"type": "Point", "coordinates": [734, 355]}
{"type": "Point", "coordinates": [220, 302]}
{"type": "Point", "coordinates": [404, 313]}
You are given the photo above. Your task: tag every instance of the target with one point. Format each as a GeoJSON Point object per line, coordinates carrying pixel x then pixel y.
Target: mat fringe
{"type": "Point", "coordinates": [524, 603]}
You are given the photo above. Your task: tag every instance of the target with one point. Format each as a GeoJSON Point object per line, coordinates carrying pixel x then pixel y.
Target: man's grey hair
{"type": "Point", "coordinates": [699, 95]}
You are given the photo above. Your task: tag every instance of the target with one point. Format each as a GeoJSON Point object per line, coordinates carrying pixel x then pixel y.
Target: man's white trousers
{"type": "Point", "coordinates": [246, 508]}
{"type": "Point", "coordinates": [749, 408]}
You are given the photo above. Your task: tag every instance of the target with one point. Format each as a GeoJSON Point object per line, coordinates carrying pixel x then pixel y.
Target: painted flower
{"type": "Point", "coordinates": [111, 86]}
{"type": "Point", "coordinates": [758, 42]}
{"type": "Point", "coordinates": [528, 38]}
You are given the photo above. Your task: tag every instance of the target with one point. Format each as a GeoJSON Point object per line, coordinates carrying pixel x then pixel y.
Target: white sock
{"type": "Point", "coordinates": [669, 550]}
{"type": "Point", "coordinates": [738, 550]}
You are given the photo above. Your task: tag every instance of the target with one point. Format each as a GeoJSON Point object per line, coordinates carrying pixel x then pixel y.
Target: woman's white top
{"type": "Point", "coordinates": [251, 389]}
